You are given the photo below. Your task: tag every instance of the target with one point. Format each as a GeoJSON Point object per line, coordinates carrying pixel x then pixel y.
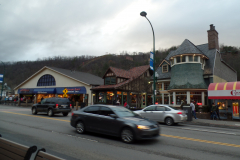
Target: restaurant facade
{"type": "Point", "coordinates": [56, 82]}
{"type": "Point", "coordinates": [227, 96]}
{"type": "Point", "coordinates": [186, 72]}
{"type": "Point", "coordinates": [131, 86]}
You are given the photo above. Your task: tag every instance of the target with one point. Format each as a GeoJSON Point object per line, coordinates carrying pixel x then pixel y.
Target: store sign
{"type": "Point", "coordinates": [44, 91]}
{"type": "Point", "coordinates": [224, 94]}
{"type": "Point", "coordinates": [25, 91]}
{"type": "Point", "coordinates": [71, 90]}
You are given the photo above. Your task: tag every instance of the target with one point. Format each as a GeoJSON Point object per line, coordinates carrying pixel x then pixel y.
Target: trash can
{"type": "Point", "coordinates": [188, 111]}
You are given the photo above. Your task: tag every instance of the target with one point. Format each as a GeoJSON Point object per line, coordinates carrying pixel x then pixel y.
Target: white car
{"type": "Point", "coordinates": [163, 113]}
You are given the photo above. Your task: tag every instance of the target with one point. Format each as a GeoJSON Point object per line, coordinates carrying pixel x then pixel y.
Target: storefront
{"type": "Point", "coordinates": [51, 82]}
{"type": "Point", "coordinates": [130, 86]}
{"type": "Point", "coordinates": [227, 96]}
{"type": "Point", "coordinates": [76, 94]}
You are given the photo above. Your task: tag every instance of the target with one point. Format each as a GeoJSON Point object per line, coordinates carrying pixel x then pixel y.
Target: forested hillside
{"type": "Point", "coordinates": [17, 72]}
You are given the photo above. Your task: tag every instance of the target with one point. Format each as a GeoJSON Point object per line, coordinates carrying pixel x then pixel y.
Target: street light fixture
{"type": "Point", "coordinates": [3, 78]}
{"type": "Point", "coordinates": [144, 14]}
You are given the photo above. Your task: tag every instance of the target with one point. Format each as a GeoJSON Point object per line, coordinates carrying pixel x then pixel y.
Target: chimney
{"type": "Point", "coordinates": [212, 38]}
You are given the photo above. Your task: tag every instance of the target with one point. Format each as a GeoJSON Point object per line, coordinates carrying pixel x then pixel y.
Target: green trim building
{"type": "Point", "coordinates": [186, 72]}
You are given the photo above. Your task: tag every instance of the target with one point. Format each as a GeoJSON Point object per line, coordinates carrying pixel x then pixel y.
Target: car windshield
{"type": "Point", "coordinates": [123, 112]}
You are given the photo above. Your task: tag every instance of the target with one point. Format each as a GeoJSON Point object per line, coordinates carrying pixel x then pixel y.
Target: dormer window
{"type": "Point", "coordinates": [110, 80]}
{"type": "Point", "coordinates": [164, 68]}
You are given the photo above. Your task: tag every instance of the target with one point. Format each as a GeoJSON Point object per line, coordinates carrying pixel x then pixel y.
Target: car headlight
{"type": "Point", "coordinates": [142, 127]}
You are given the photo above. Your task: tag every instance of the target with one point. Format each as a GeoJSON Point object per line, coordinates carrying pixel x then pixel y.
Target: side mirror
{"type": "Point", "coordinates": [113, 115]}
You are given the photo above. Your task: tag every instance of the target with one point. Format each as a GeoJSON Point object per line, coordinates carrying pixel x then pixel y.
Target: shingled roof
{"type": "Point", "coordinates": [185, 48]}
{"type": "Point", "coordinates": [131, 75]}
{"type": "Point", "coordinates": [81, 76]}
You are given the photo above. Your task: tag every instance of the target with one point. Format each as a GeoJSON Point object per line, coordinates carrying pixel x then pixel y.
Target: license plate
{"type": "Point", "coordinates": [64, 106]}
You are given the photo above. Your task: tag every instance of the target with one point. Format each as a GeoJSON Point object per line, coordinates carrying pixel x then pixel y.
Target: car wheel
{"type": "Point", "coordinates": [50, 112]}
{"type": "Point", "coordinates": [80, 127]}
{"type": "Point", "coordinates": [127, 135]}
{"type": "Point", "coordinates": [34, 110]}
{"type": "Point", "coordinates": [65, 114]}
{"type": "Point", "coordinates": [169, 121]}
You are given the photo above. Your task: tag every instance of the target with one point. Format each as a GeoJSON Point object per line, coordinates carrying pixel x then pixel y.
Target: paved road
{"type": "Point", "coordinates": [176, 142]}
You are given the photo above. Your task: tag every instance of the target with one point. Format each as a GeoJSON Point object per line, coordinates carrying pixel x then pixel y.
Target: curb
{"type": "Point", "coordinates": [213, 125]}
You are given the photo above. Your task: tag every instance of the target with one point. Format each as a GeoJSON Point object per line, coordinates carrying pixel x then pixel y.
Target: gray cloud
{"type": "Point", "coordinates": [35, 29]}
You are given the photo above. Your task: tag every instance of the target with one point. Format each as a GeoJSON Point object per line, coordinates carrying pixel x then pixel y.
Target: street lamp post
{"type": "Point", "coordinates": [144, 14]}
{"type": "Point", "coordinates": [3, 78]}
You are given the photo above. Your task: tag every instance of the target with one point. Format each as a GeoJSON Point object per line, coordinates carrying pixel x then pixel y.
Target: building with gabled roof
{"type": "Point", "coordinates": [51, 81]}
{"type": "Point", "coordinates": [186, 72]}
{"type": "Point", "coordinates": [131, 86]}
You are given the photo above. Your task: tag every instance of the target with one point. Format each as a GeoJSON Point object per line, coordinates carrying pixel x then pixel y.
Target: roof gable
{"type": "Point", "coordinates": [186, 47]}
{"type": "Point", "coordinates": [119, 72]}
{"type": "Point", "coordinates": [82, 77]}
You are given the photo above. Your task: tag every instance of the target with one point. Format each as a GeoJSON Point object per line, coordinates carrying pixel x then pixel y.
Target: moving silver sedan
{"type": "Point", "coordinates": [163, 113]}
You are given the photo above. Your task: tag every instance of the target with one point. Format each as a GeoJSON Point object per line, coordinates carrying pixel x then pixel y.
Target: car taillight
{"type": "Point", "coordinates": [71, 106]}
{"type": "Point", "coordinates": [56, 105]}
{"type": "Point", "coordinates": [72, 113]}
{"type": "Point", "coordinates": [179, 113]}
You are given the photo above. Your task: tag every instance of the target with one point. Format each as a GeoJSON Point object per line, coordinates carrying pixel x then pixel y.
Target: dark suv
{"type": "Point", "coordinates": [52, 106]}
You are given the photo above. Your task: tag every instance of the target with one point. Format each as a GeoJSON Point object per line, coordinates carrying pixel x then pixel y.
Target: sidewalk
{"type": "Point", "coordinates": [235, 124]}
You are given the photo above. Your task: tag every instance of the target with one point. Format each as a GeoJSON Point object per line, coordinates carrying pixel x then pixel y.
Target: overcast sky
{"type": "Point", "coordinates": [32, 29]}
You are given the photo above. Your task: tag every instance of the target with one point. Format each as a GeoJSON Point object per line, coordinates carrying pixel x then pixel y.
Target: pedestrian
{"type": "Point", "coordinates": [193, 109]}
{"type": "Point", "coordinates": [217, 111]}
{"type": "Point", "coordinates": [126, 105]}
{"type": "Point", "coordinates": [214, 114]}
{"type": "Point", "coordinates": [42, 98]}
{"type": "Point", "coordinates": [118, 103]}
{"type": "Point", "coordinates": [114, 101]}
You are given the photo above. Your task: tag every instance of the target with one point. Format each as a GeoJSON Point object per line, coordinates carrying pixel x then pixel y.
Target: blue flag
{"type": "Point", "coordinates": [151, 60]}
{"type": "Point", "coordinates": [1, 78]}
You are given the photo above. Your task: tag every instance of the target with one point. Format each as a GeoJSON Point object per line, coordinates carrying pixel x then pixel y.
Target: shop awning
{"type": "Point", "coordinates": [25, 91]}
{"type": "Point", "coordinates": [71, 90]}
{"type": "Point", "coordinates": [225, 90]}
{"type": "Point", "coordinates": [44, 91]}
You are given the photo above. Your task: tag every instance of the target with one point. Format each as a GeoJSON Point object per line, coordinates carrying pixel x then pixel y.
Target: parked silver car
{"type": "Point", "coordinates": [163, 113]}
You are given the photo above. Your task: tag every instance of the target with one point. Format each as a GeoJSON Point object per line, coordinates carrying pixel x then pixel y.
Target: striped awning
{"type": "Point", "coordinates": [224, 90]}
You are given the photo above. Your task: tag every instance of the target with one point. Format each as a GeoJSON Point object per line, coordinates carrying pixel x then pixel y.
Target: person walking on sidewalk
{"type": "Point", "coordinates": [193, 109]}
{"type": "Point", "coordinates": [214, 109]}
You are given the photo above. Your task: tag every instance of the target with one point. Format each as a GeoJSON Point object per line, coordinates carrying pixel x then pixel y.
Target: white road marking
{"type": "Point", "coordinates": [209, 131]}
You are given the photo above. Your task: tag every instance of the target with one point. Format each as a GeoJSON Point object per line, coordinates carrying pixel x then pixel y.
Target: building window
{"type": "Point", "coordinates": [195, 58]}
{"type": "Point", "coordinates": [166, 99]}
{"type": "Point", "coordinates": [164, 68]}
{"type": "Point", "coordinates": [178, 59]}
{"type": "Point", "coordinates": [181, 59]}
{"type": "Point", "coordinates": [101, 97]}
{"type": "Point", "coordinates": [181, 97]}
{"type": "Point", "coordinates": [110, 80]}
{"type": "Point", "coordinates": [190, 58]}
{"type": "Point", "coordinates": [196, 97]}
{"type": "Point", "coordinates": [46, 80]}
{"type": "Point", "coordinates": [166, 84]}
{"type": "Point", "coordinates": [159, 86]}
